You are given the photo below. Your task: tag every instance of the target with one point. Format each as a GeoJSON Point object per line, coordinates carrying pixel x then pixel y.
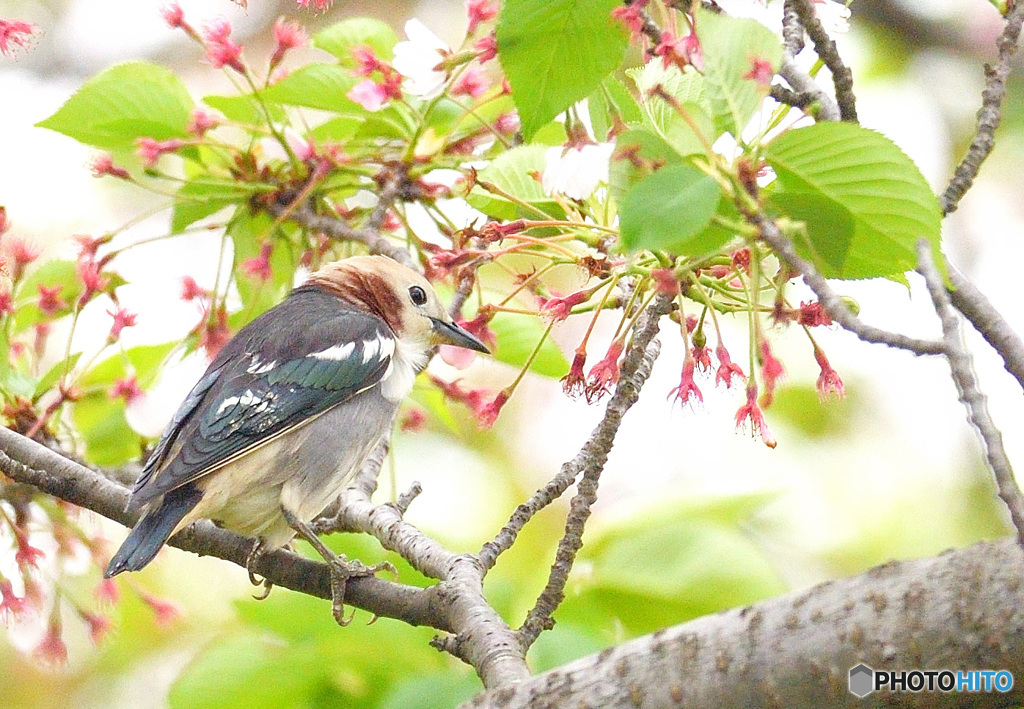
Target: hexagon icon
{"type": "Point", "coordinates": [862, 680]}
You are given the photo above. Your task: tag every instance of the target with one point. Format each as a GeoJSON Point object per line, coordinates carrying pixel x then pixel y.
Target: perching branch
{"type": "Point", "coordinates": [990, 113]}
{"type": "Point", "coordinates": [830, 300]}
{"type": "Point", "coordinates": [962, 372]}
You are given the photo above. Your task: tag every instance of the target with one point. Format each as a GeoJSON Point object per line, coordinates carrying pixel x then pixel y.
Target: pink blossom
{"type": "Point", "coordinates": [760, 71]}
{"type": "Point", "coordinates": [726, 368]}
{"type": "Point", "coordinates": [107, 591]}
{"type": "Point", "coordinates": [471, 82]}
{"type": "Point", "coordinates": [752, 412]}
{"type": "Point", "coordinates": [220, 50]}
{"type": "Point", "coordinates": [50, 300]}
{"type": "Point", "coordinates": [126, 388]}
{"type": "Point", "coordinates": [507, 123]}
{"type": "Point", "coordinates": [317, 5]}
{"type": "Point", "coordinates": [259, 267]}
{"type": "Point", "coordinates": [369, 94]}
{"type": "Point", "coordinates": [190, 290]}
{"type": "Point", "coordinates": [122, 319]}
{"type": "Point", "coordinates": [605, 373]}
{"type": "Point", "coordinates": [99, 625]}
{"type": "Point", "coordinates": [92, 279]}
{"type": "Point", "coordinates": [487, 415]}
{"type": "Point", "coordinates": [201, 121]}
{"type": "Point", "coordinates": [22, 253]}
{"type": "Point", "coordinates": [479, 11]}
{"type": "Point", "coordinates": [632, 15]}
{"type": "Point", "coordinates": [52, 648]}
{"type": "Point", "coordinates": [102, 165]}
{"type": "Point", "coordinates": [214, 333]}
{"type": "Point", "coordinates": [687, 389]}
{"type": "Point", "coordinates": [165, 612]}
{"type": "Point", "coordinates": [414, 419]}
{"type": "Point", "coordinates": [702, 356]}
{"type": "Point", "coordinates": [828, 381]}
{"type": "Point", "coordinates": [173, 15]}
{"type": "Point", "coordinates": [6, 301]}
{"type": "Point", "coordinates": [771, 372]}
{"type": "Point", "coordinates": [288, 35]}
{"type": "Point", "coordinates": [366, 60]}
{"type": "Point", "coordinates": [680, 51]}
{"type": "Point", "coordinates": [11, 605]}
{"type": "Point", "coordinates": [488, 48]}
{"type": "Point", "coordinates": [149, 150]}
{"type": "Point", "coordinates": [813, 314]}
{"type": "Point", "coordinates": [15, 34]}
{"type": "Point", "coordinates": [574, 382]}
{"type": "Point", "coordinates": [559, 308]}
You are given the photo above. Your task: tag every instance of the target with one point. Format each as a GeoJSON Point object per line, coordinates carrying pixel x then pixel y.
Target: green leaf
{"type": "Point", "coordinates": [144, 361]}
{"type": "Point", "coordinates": [517, 337]}
{"type": "Point", "coordinates": [556, 52]}
{"type": "Point", "coordinates": [342, 37]}
{"type": "Point", "coordinates": [101, 423]}
{"type": "Point", "coordinates": [51, 274]}
{"type": "Point", "coordinates": [248, 233]}
{"type": "Point", "coordinates": [322, 86]}
{"type": "Point", "coordinates": [245, 109]}
{"type": "Point", "coordinates": [337, 130]}
{"type": "Point", "coordinates": [864, 202]}
{"type": "Point", "coordinates": [667, 209]}
{"type": "Point", "coordinates": [125, 102]}
{"type": "Point", "coordinates": [58, 370]}
{"type": "Point", "coordinates": [638, 153]}
{"type": "Point", "coordinates": [611, 100]}
{"type": "Point", "coordinates": [731, 46]}
{"type": "Point", "coordinates": [670, 121]}
{"type": "Point", "coordinates": [511, 173]}
{"type": "Point", "coordinates": [202, 196]}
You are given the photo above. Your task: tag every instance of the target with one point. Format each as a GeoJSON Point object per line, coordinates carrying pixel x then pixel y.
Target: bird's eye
{"type": "Point", "coordinates": [418, 295]}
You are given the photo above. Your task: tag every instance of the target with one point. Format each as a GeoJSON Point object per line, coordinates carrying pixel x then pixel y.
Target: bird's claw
{"type": "Point", "coordinates": [341, 571]}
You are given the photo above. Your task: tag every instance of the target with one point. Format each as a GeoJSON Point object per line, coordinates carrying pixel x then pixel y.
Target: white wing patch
{"type": "Point", "coordinates": [246, 399]}
{"type": "Point", "coordinates": [258, 367]}
{"type": "Point", "coordinates": [335, 353]}
{"type": "Point", "coordinates": [379, 347]}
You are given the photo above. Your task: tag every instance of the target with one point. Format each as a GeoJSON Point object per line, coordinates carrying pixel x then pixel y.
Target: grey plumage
{"type": "Point", "coordinates": [290, 407]}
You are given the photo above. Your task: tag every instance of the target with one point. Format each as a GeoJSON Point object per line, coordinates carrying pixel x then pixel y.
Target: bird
{"type": "Point", "coordinates": [289, 409]}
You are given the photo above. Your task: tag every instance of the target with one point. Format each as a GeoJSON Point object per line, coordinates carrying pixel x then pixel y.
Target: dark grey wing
{"type": "Point", "coordinates": [294, 362]}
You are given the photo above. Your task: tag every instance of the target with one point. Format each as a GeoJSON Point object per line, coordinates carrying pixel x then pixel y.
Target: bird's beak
{"type": "Point", "coordinates": [448, 333]}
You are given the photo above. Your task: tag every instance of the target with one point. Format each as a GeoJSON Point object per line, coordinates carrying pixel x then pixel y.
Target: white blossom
{"type": "Point", "coordinates": [417, 59]}
{"type": "Point", "coordinates": [834, 16]}
{"type": "Point", "coordinates": [576, 171]}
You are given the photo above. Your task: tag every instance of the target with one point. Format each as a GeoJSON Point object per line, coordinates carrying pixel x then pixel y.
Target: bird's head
{"type": "Point", "coordinates": [402, 298]}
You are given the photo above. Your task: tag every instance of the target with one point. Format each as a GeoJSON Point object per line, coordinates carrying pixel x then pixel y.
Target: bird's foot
{"type": "Point", "coordinates": [341, 568]}
{"type": "Point", "coordinates": [250, 563]}
{"type": "Point", "coordinates": [341, 571]}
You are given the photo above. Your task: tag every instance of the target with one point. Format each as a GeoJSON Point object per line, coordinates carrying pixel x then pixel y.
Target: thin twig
{"type": "Point", "coordinates": [636, 368]}
{"type": "Point", "coordinates": [830, 300]}
{"type": "Point", "coordinates": [962, 372]}
{"type": "Point", "coordinates": [842, 77]}
{"type": "Point", "coordinates": [974, 306]}
{"type": "Point", "coordinates": [990, 113]}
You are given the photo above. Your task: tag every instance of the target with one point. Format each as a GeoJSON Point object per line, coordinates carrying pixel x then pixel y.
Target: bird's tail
{"type": "Point", "coordinates": [153, 529]}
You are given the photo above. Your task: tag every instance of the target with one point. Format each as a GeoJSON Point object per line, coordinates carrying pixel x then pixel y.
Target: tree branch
{"type": "Point", "coordinates": [636, 368]}
{"type": "Point", "coordinates": [842, 77]}
{"type": "Point", "coordinates": [961, 609]}
{"type": "Point", "coordinates": [962, 372]}
{"type": "Point", "coordinates": [830, 300]}
{"type": "Point", "coordinates": [26, 461]}
{"type": "Point", "coordinates": [974, 306]}
{"type": "Point", "coordinates": [990, 113]}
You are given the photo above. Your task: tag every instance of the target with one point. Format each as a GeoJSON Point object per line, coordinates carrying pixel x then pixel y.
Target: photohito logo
{"type": "Point", "coordinates": [864, 680]}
